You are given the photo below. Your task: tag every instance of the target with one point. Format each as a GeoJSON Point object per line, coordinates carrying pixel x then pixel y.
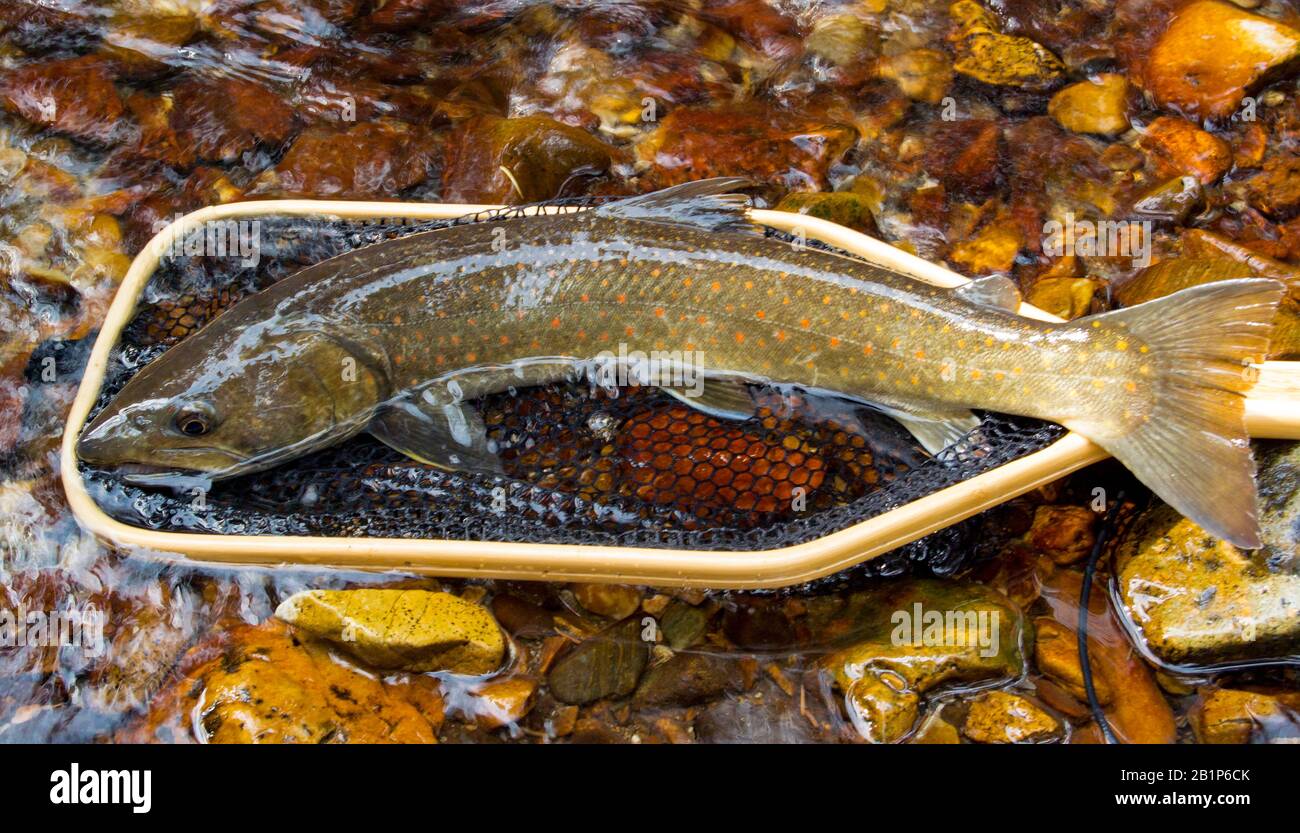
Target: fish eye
{"type": "Point", "coordinates": [194, 419]}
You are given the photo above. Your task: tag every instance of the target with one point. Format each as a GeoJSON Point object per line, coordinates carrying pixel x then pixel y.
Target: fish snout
{"type": "Point", "coordinates": [95, 444]}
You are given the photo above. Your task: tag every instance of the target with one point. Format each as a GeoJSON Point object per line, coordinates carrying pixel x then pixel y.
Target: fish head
{"type": "Point", "coordinates": [232, 401]}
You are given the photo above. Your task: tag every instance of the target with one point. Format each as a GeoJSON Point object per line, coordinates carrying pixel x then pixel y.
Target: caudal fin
{"type": "Point", "coordinates": [1193, 451]}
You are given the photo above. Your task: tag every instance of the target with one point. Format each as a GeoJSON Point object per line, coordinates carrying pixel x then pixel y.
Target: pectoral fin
{"type": "Point", "coordinates": [723, 398]}
{"type": "Point", "coordinates": [450, 436]}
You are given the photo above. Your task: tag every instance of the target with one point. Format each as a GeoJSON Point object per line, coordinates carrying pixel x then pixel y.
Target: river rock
{"type": "Point", "coordinates": [765, 144]}
{"type": "Point", "coordinates": [986, 54]}
{"type": "Point", "coordinates": [911, 638]}
{"type": "Point", "coordinates": [687, 679]}
{"type": "Point", "coordinates": [411, 630]}
{"type": "Point", "coordinates": [1211, 54]}
{"type": "Point", "coordinates": [608, 664]}
{"type": "Point", "coordinates": [74, 96]}
{"type": "Point", "coordinates": [615, 601]}
{"type": "Point", "coordinates": [1098, 105]}
{"type": "Point", "coordinates": [489, 159]}
{"type": "Point", "coordinates": [1178, 147]}
{"type": "Point", "coordinates": [1225, 715]}
{"type": "Point", "coordinates": [1004, 717]}
{"type": "Point", "coordinates": [263, 684]}
{"type": "Point", "coordinates": [683, 624]}
{"type": "Point", "coordinates": [1198, 600]}
{"type": "Point", "coordinates": [847, 208]}
{"type": "Point", "coordinates": [365, 160]}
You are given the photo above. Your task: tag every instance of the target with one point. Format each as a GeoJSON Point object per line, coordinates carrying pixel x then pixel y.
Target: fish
{"type": "Point", "coordinates": [680, 289]}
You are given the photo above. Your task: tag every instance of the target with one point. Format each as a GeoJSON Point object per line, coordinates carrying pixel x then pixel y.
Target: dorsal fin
{"type": "Point", "coordinates": [711, 204]}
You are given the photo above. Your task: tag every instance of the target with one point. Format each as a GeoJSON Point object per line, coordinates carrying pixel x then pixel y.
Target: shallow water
{"type": "Point", "coordinates": [118, 116]}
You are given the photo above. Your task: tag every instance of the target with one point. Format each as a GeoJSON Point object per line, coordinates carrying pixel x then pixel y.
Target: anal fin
{"type": "Point", "coordinates": [935, 430]}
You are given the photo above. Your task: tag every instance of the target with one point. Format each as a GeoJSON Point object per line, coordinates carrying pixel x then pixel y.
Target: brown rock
{"type": "Point", "coordinates": [616, 601]}
{"type": "Point", "coordinates": [768, 145]}
{"type": "Point", "coordinates": [1068, 298]}
{"type": "Point", "coordinates": [74, 96]}
{"type": "Point", "coordinates": [367, 160]}
{"type": "Point", "coordinates": [964, 155]}
{"type": "Point", "coordinates": [502, 702]}
{"type": "Point", "coordinates": [1065, 533]}
{"type": "Point", "coordinates": [1177, 147]}
{"type": "Point", "coordinates": [988, 55]}
{"type": "Point", "coordinates": [921, 74]}
{"type": "Point", "coordinates": [1056, 652]}
{"type": "Point", "coordinates": [1211, 54]}
{"type": "Point", "coordinates": [688, 679]}
{"type": "Point", "coordinates": [1276, 190]}
{"type": "Point", "coordinates": [608, 664]}
{"type": "Point", "coordinates": [489, 159]}
{"type": "Point", "coordinates": [849, 209]}
{"type": "Point", "coordinates": [219, 120]}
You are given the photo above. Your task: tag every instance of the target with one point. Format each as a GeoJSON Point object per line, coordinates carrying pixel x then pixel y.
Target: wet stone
{"type": "Point", "coordinates": [412, 630]}
{"type": "Point", "coordinates": [358, 161]}
{"type": "Point", "coordinates": [490, 160]}
{"type": "Point", "coordinates": [1234, 716]}
{"type": "Point", "coordinates": [988, 55]}
{"type": "Point", "coordinates": [1196, 600]}
{"type": "Point", "coordinates": [608, 664]}
{"type": "Point", "coordinates": [1178, 147]}
{"type": "Point", "coordinates": [683, 625]}
{"type": "Point", "coordinates": [846, 208]}
{"type": "Point", "coordinates": [687, 679]}
{"type": "Point", "coordinates": [912, 638]}
{"type": "Point", "coordinates": [1211, 54]}
{"type": "Point", "coordinates": [1004, 717]}
{"type": "Point", "coordinates": [74, 96]}
{"type": "Point", "coordinates": [1096, 105]}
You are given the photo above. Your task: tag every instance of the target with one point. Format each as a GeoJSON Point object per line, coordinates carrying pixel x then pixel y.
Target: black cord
{"type": "Point", "coordinates": [1085, 665]}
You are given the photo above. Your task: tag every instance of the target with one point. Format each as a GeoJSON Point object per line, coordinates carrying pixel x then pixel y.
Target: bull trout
{"type": "Point", "coordinates": [398, 338]}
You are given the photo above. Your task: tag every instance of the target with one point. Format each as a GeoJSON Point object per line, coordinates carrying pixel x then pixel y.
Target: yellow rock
{"type": "Point", "coordinates": [1067, 297]}
{"type": "Point", "coordinates": [1211, 54]}
{"type": "Point", "coordinates": [1097, 105]}
{"type": "Point", "coordinates": [1003, 717]}
{"type": "Point", "coordinates": [921, 74]}
{"type": "Point", "coordinates": [411, 630]}
{"type": "Point", "coordinates": [1224, 715]}
{"type": "Point", "coordinates": [994, 249]}
{"type": "Point", "coordinates": [987, 55]}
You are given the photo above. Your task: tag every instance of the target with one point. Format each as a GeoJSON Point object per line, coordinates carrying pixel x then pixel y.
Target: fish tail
{"type": "Point", "coordinates": [1191, 447]}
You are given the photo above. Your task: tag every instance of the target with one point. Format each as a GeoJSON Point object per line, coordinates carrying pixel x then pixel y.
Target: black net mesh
{"type": "Point", "coordinates": [582, 466]}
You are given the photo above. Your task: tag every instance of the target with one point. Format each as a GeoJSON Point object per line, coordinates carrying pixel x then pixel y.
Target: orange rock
{"type": "Point", "coordinates": [1139, 712]}
{"type": "Point", "coordinates": [501, 702]}
{"type": "Point", "coordinates": [1097, 105]}
{"type": "Point", "coordinates": [1178, 147]}
{"type": "Point", "coordinates": [1211, 54]}
{"type": "Point", "coordinates": [261, 684]}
